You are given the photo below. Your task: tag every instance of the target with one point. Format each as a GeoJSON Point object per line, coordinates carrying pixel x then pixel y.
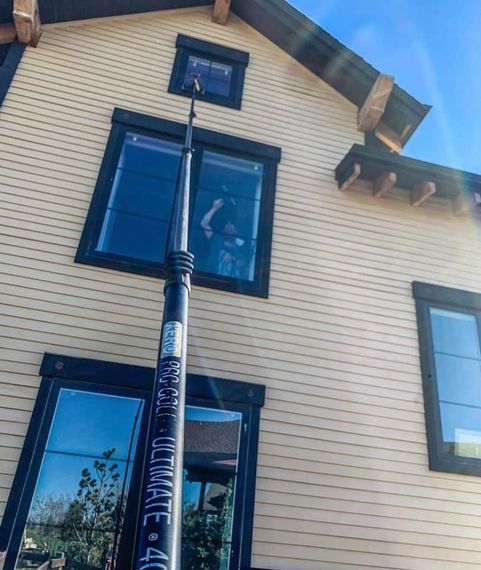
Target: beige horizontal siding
{"type": "Point", "coordinates": [343, 479]}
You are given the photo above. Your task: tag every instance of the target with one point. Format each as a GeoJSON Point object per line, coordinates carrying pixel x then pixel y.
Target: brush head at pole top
{"type": "Point", "coordinates": [194, 84]}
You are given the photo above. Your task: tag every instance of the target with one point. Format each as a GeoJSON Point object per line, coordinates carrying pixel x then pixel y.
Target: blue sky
{"type": "Point", "coordinates": [433, 48]}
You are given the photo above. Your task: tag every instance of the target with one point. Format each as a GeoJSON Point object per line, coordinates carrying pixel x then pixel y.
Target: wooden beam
{"type": "Point", "coordinates": [421, 192]}
{"type": "Point", "coordinates": [27, 21]}
{"type": "Point", "coordinates": [383, 183]}
{"type": "Point", "coordinates": [221, 12]}
{"type": "Point", "coordinates": [351, 178]}
{"type": "Point", "coordinates": [7, 33]}
{"type": "Point", "coordinates": [375, 104]}
{"type": "Point", "coordinates": [389, 137]}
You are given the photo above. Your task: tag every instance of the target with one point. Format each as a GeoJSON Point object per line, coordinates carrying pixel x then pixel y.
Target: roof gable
{"type": "Point", "coordinates": [286, 27]}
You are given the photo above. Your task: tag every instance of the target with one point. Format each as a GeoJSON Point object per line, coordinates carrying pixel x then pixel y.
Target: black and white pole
{"type": "Point", "coordinates": [160, 516]}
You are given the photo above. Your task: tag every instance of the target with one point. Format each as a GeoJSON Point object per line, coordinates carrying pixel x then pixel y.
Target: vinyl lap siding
{"type": "Point", "coordinates": [343, 479]}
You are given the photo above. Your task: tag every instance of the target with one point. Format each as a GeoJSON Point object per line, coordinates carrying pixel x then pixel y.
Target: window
{"type": "Point", "coordinates": [10, 56]}
{"type": "Point", "coordinates": [232, 204]}
{"type": "Point", "coordinates": [75, 496]}
{"type": "Point", "coordinates": [449, 334]}
{"type": "Point", "coordinates": [222, 71]}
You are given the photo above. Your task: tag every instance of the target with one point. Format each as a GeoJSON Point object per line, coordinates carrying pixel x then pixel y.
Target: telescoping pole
{"type": "Point", "coordinates": [160, 516]}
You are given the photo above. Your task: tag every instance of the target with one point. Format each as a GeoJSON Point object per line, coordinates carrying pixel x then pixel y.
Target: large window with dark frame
{"type": "Point", "coordinates": [232, 202]}
{"type": "Point", "coordinates": [74, 500]}
{"type": "Point", "coordinates": [221, 71]}
{"type": "Point", "coordinates": [449, 324]}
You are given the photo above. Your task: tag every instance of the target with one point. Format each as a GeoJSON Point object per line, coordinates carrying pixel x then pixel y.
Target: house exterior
{"type": "Point", "coordinates": [334, 364]}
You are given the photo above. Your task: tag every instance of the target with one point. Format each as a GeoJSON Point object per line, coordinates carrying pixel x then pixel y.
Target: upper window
{"type": "Point", "coordinates": [221, 71]}
{"type": "Point", "coordinates": [74, 501]}
{"type": "Point", "coordinates": [449, 333]}
{"type": "Point", "coordinates": [232, 199]}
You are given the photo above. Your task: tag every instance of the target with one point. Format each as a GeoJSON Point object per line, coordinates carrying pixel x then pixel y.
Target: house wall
{"type": "Point", "coordinates": [343, 479]}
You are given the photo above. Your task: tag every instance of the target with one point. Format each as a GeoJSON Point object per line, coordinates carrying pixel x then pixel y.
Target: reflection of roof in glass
{"type": "Point", "coordinates": [211, 437]}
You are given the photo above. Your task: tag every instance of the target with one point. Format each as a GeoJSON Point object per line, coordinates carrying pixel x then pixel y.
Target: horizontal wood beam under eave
{"type": "Point", "coordinates": [351, 177]}
{"type": "Point", "coordinates": [383, 183]}
{"type": "Point", "coordinates": [421, 192]}
{"type": "Point", "coordinates": [374, 106]}
{"type": "Point", "coordinates": [27, 21]}
{"type": "Point", "coordinates": [221, 11]}
{"type": "Point", "coordinates": [7, 33]}
{"type": "Point", "coordinates": [389, 137]}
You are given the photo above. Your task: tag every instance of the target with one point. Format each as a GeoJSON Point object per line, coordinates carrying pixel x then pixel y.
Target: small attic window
{"type": "Point", "coordinates": [221, 69]}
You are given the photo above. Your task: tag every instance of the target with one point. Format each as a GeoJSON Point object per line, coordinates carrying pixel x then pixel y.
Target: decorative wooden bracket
{"type": "Point", "coordinates": [351, 178]}
{"type": "Point", "coordinates": [465, 203]}
{"type": "Point", "coordinates": [27, 21]}
{"type": "Point", "coordinates": [421, 192]}
{"type": "Point", "coordinates": [383, 183]}
{"type": "Point", "coordinates": [221, 12]}
{"type": "Point", "coordinates": [7, 33]}
{"type": "Point", "coordinates": [374, 106]}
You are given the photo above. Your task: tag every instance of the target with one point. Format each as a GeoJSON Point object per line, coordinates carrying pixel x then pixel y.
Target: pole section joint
{"type": "Point", "coordinates": [180, 266]}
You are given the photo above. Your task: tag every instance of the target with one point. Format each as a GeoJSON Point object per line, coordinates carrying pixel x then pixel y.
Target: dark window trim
{"type": "Point", "coordinates": [192, 46]}
{"type": "Point", "coordinates": [9, 68]}
{"type": "Point", "coordinates": [124, 121]}
{"type": "Point", "coordinates": [215, 50]}
{"type": "Point", "coordinates": [58, 371]}
{"type": "Point", "coordinates": [427, 296]}
{"type": "Point", "coordinates": [142, 377]}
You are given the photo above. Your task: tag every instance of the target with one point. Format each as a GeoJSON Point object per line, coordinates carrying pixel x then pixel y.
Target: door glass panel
{"type": "Point", "coordinates": [210, 472]}
{"type": "Point", "coordinates": [79, 501]}
{"type": "Point", "coordinates": [458, 374]}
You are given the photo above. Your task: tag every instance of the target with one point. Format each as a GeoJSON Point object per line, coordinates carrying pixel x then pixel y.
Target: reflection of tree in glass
{"type": "Point", "coordinates": [82, 527]}
{"type": "Point", "coordinates": [91, 518]}
{"type": "Point", "coordinates": [206, 535]}
{"type": "Point", "coordinates": [46, 516]}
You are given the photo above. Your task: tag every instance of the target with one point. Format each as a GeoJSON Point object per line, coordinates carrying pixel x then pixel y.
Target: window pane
{"type": "Point", "coordinates": [226, 216]}
{"type": "Point", "coordinates": [198, 66]}
{"type": "Point", "coordinates": [459, 379]}
{"type": "Point", "coordinates": [461, 427]}
{"type": "Point", "coordinates": [216, 77]}
{"type": "Point", "coordinates": [80, 496]}
{"type": "Point", "coordinates": [134, 236]}
{"type": "Point", "coordinates": [454, 333]}
{"type": "Point", "coordinates": [210, 466]}
{"type": "Point", "coordinates": [141, 201]}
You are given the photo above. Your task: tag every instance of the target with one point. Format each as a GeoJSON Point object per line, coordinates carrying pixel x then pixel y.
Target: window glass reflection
{"type": "Point", "coordinates": [216, 77]}
{"type": "Point", "coordinates": [226, 216]}
{"type": "Point", "coordinates": [458, 374]}
{"type": "Point", "coordinates": [78, 507]}
{"type": "Point", "coordinates": [454, 333]}
{"type": "Point", "coordinates": [210, 468]}
{"type": "Point", "coordinates": [138, 214]}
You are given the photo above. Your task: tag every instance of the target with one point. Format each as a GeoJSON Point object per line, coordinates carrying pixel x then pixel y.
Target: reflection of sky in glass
{"type": "Point", "coordinates": [458, 373]}
{"type": "Point", "coordinates": [85, 425]}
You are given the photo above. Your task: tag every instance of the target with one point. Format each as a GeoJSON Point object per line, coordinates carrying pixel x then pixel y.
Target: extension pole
{"type": "Point", "coordinates": [160, 516]}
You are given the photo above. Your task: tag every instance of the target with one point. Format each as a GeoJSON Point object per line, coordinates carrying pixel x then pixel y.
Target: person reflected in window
{"type": "Point", "coordinates": [226, 249]}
